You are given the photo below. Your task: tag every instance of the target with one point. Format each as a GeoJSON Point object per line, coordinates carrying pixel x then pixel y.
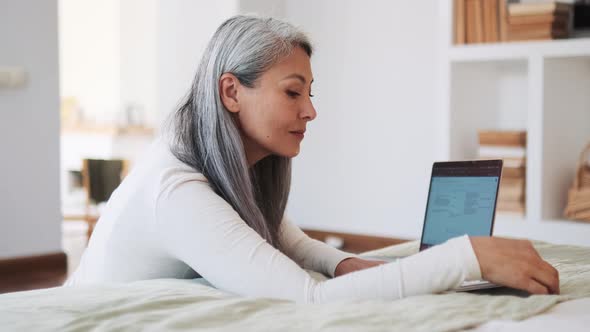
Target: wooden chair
{"type": "Point", "coordinates": [100, 177]}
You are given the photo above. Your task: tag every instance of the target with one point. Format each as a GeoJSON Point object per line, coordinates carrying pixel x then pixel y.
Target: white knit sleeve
{"type": "Point", "coordinates": [309, 253]}
{"type": "Point", "coordinates": [198, 227]}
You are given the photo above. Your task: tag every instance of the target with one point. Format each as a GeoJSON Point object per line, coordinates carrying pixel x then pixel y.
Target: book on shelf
{"type": "Point", "coordinates": [510, 206]}
{"type": "Point", "coordinates": [523, 21]}
{"type": "Point", "coordinates": [459, 21]}
{"type": "Point", "coordinates": [503, 17]}
{"type": "Point", "coordinates": [509, 197]}
{"type": "Point", "coordinates": [474, 21]}
{"type": "Point", "coordinates": [538, 8]}
{"type": "Point", "coordinates": [514, 162]}
{"type": "Point", "coordinates": [490, 21]}
{"type": "Point", "coordinates": [491, 32]}
{"type": "Point", "coordinates": [512, 181]}
{"type": "Point", "coordinates": [519, 28]}
{"type": "Point", "coordinates": [507, 194]}
{"type": "Point", "coordinates": [512, 185]}
{"type": "Point", "coordinates": [502, 137]}
{"type": "Point", "coordinates": [581, 215]}
{"type": "Point", "coordinates": [537, 35]}
{"type": "Point", "coordinates": [539, 19]}
{"type": "Point", "coordinates": [510, 146]}
{"type": "Point", "coordinates": [514, 172]}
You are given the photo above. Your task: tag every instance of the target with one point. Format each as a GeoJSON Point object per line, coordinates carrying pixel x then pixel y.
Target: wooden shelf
{"type": "Point", "coordinates": [520, 50]}
{"type": "Point", "coordinates": [538, 86]}
{"type": "Point", "coordinates": [109, 130]}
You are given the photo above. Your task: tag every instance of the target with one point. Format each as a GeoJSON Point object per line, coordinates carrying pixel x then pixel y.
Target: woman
{"type": "Point", "coordinates": [209, 200]}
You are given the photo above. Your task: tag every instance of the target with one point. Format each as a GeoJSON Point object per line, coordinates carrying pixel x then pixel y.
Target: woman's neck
{"type": "Point", "coordinates": [254, 153]}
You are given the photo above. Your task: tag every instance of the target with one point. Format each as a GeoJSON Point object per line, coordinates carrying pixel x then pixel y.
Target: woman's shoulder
{"type": "Point", "coordinates": [172, 177]}
{"type": "Point", "coordinates": [171, 172]}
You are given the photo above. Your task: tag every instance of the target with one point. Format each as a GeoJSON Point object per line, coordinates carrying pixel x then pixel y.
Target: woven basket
{"type": "Point", "coordinates": [578, 198]}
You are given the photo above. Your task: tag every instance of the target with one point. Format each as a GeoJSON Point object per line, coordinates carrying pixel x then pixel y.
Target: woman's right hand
{"type": "Point", "coordinates": [516, 264]}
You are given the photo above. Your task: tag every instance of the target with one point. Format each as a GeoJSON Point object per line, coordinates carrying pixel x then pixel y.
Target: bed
{"type": "Point", "coordinates": [182, 305]}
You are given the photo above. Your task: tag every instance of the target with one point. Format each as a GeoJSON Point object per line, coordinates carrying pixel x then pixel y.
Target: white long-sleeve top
{"type": "Point", "coordinates": [165, 221]}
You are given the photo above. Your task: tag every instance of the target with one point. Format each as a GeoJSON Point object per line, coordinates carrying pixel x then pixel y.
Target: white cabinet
{"type": "Point", "coordinates": [542, 87]}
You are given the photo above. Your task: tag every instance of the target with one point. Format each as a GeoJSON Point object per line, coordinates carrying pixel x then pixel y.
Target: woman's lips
{"type": "Point", "coordinates": [298, 134]}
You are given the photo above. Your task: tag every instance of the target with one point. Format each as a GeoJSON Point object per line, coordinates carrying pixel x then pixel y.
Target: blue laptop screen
{"type": "Point", "coordinates": [459, 205]}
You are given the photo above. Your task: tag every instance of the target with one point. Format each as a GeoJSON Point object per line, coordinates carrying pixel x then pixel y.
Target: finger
{"type": "Point", "coordinates": [542, 271]}
{"type": "Point", "coordinates": [548, 276]}
{"type": "Point", "coordinates": [547, 280]}
{"type": "Point", "coordinates": [555, 275]}
{"type": "Point", "coordinates": [556, 272]}
{"type": "Point", "coordinates": [534, 287]}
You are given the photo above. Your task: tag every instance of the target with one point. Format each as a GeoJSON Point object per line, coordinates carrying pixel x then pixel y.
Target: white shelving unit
{"type": "Point", "coordinates": [542, 87]}
{"type": "Point", "coordinates": [107, 142]}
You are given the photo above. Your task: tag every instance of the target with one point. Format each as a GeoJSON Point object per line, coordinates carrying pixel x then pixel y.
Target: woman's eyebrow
{"type": "Point", "coordinates": [297, 76]}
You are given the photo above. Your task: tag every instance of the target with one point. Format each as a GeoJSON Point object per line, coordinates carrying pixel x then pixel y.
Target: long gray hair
{"type": "Point", "coordinates": [206, 136]}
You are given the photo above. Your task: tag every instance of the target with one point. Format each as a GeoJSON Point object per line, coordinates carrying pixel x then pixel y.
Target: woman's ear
{"type": "Point", "coordinates": [228, 91]}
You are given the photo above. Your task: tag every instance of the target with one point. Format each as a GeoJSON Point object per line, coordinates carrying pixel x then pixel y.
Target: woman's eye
{"type": "Point", "coordinates": [294, 94]}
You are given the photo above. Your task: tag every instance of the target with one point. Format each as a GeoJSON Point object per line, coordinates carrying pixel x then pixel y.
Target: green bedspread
{"type": "Point", "coordinates": [182, 305]}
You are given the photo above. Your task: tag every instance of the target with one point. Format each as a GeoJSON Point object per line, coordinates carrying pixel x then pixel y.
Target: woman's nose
{"type": "Point", "coordinates": [309, 113]}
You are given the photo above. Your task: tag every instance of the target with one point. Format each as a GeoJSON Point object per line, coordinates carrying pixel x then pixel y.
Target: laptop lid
{"type": "Point", "coordinates": [461, 200]}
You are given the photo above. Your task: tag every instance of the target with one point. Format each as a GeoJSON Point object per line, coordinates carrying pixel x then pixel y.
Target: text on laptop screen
{"type": "Point", "coordinates": [459, 205]}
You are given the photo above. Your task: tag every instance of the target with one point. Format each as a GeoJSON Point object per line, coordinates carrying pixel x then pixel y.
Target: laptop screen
{"type": "Point", "coordinates": [461, 200]}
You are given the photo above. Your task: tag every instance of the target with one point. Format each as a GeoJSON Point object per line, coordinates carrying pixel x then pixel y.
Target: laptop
{"type": "Point", "coordinates": [461, 200]}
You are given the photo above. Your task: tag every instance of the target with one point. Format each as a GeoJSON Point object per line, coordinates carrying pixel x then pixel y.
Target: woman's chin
{"type": "Point", "coordinates": [288, 154]}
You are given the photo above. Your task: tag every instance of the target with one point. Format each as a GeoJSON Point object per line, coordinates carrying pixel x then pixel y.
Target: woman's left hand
{"type": "Point", "coordinates": [355, 264]}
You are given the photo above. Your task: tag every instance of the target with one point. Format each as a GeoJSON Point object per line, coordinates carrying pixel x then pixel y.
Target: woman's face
{"type": "Point", "coordinates": [273, 115]}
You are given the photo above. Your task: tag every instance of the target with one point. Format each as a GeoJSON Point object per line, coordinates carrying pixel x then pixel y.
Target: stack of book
{"type": "Point", "coordinates": [510, 146]}
{"type": "Point", "coordinates": [479, 21]}
{"type": "Point", "coordinates": [491, 21]}
{"type": "Point", "coordinates": [538, 21]}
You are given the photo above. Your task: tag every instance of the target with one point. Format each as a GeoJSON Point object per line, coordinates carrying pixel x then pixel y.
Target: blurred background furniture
{"type": "Point", "coordinates": [578, 203]}
{"type": "Point", "coordinates": [100, 178]}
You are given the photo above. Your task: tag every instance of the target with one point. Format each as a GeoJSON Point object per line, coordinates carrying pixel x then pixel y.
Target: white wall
{"type": "Point", "coordinates": [139, 27]}
{"type": "Point", "coordinates": [90, 56]}
{"type": "Point", "coordinates": [365, 162]}
{"type": "Point", "coordinates": [276, 8]}
{"type": "Point", "coordinates": [108, 56]}
{"type": "Point", "coordinates": [140, 53]}
{"type": "Point", "coordinates": [148, 55]}
{"type": "Point", "coordinates": [29, 126]}
{"type": "Point", "coordinates": [185, 27]}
